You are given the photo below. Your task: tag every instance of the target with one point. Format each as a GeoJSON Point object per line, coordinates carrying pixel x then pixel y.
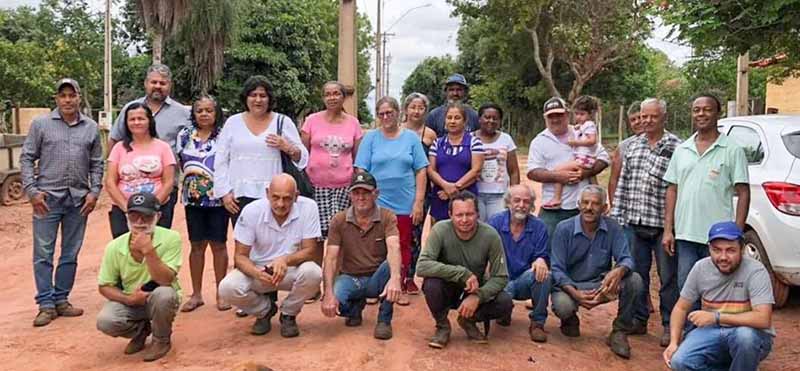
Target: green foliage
{"type": "Point", "coordinates": [429, 76]}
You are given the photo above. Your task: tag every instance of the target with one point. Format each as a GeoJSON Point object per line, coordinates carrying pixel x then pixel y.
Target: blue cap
{"type": "Point", "coordinates": [725, 230]}
{"type": "Point", "coordinates": [457, 78]}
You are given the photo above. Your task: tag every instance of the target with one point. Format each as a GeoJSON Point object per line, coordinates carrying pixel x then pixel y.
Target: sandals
{"type": "Point", "coordinates": [191, 305]}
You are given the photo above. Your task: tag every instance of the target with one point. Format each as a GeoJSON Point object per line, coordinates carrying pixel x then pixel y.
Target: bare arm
{"type": "Point", "coordinates": [668, 239]}
{"type": "Point", "coordinates": [433, 174]}
{"type": "Point", "coordinates": [308, 251]}
{"type": "Point", "coordinates": [543, 175]}
{"type": "Point", "coordinates": [598, 168]}
{"type": "Point", "coordinates": [472, 175]}
{"type": "Point", "coordinates": [677, 319]}
{"type": "Point", "coordinates": [330, 267]}
{"type": "Point", "coordinates": [512, 165]}
{"type": "Point", "coordinates": [167, 183]}
{"type": "Point", "coordinates": [111, 143]}
{"type": "Point", "coordinates": [242, 262]}
{"type": "Point", "coordinates": [159, 272]}
{"type": "Point", "coordinates": [356, 143]}
{"type": "Point", "coordinates": [393, 257]}
{"type": "Point", "coordinates": [112, 177]}
{"type": "Point", "coordinates": [742, 203]}
{"type": "Point", "coordinates": [616, 171]}
{"type": "Point", "coordinates": [113, 293]}
{"type": "Point", "coordinates": [760, 318]}
{"type": "Point", "coordinates": [306, 139]}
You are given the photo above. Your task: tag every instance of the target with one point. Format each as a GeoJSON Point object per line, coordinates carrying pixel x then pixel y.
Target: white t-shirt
{"type": "Point", "coordinates": [580, 132]}
{"type": "Point", "coordinates": [494, 174]}
{"type": "Point", "coordinates": [258, 229]}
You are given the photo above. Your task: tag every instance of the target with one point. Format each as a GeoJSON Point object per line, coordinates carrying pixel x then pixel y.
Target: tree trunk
{"type": "Point", "coordinates": [544, 70]}
{"type": "Point", "coordinates": [158, 44]}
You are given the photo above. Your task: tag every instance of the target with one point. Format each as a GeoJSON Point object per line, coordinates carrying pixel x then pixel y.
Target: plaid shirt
{"type": "Point", "coordinates": [641, 192]}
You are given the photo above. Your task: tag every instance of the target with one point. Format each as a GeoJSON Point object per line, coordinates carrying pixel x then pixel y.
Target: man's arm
{"type": "Point", "coordinates": [242, 262]}
{"type": "Point", "coordinates": [616, 171]}
{"type": "Point", "coordinates": [429, 265]}
{"type": "Point", "coordinates": [308, 251]}
{"type": "Point", "coordinates": [668, 239]}
{"type": "Point", "coordinates": [96, 165]}
{"type": "Point", "coordinates": [742, 203]}
{"type": "Point", "coordinates": [159, 271]}
{"type": "Point", "coordinates": [113, 293]}
{"type": "Point", "coordinates": [558, 259]}
{"type": "Point", "coordinates": [677, 320]}
{"type": "Point", "coordinates": [31, 150]}
{"type": "Point", "coordinates": [598, 168]}
{"type": "Point", "coordinates": [759, 318]}
{"type": "Point", "coordinates": [329, 268]}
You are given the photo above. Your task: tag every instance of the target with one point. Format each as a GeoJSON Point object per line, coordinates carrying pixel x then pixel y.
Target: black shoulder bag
{"type": "Point", "coordinates": [288, 166]}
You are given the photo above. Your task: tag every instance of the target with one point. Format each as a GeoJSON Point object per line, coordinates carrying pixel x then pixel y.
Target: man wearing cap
{"type": "Point", "coordinates": [456, 90]}
{"type": "Point", "coordinates": [170, 117]}
{"type": "Point", "coordinates": [365, 237]}
{"type": "Point", "coordinates": [139, 277]}
{"type": "Point", "coordinates": [67, 146]}
{"type": "Point", "coordinates": [734, 326]}
{"type": "Point", "coordinates": [550, 149]}
{"type": "Point", "coordinates": [276, 249]}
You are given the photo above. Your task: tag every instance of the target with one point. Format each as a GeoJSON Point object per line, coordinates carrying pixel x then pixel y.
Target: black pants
{"type": "Point", "coordinates": [442, 296]}
{"type": "Point", "coordinates": [242, 201]}
{"type": "Point", "coordinates": [119, 221]}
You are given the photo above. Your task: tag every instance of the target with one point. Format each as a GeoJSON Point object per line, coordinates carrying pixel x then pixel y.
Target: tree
{"type": "Point", "coordinates": [207, 31]}
{"type": "Point", "coordinates": [162, 19]}
{"type": "Point", "coordinates": [429, 76]}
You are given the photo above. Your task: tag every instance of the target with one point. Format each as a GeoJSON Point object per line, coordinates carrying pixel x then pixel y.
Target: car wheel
{"type": "Point", "coordinates": [755, 249]}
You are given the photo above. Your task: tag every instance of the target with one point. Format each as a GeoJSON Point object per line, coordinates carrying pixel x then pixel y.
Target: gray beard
{"type": "Point", "coordinates": [149, 229]}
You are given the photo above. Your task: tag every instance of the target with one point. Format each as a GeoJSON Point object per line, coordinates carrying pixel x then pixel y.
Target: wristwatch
{"type": "Point", "coordinates": [716, 317]}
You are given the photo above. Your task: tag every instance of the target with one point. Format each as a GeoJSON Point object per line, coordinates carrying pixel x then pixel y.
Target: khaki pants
{"type": "Point", "coordinates": [117, 319]}
{"type": "Point", "coordinates": [245, 293]}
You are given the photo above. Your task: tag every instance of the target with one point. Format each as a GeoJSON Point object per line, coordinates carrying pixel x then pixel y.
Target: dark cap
{"type": "Point", "coordinates": [363, 180]}
{"type": "Point", "coordinates": [554, 105]}
{"type": "Point", "coordinates": [457, 78]}
{"type": "Point", "coordinates": [725, 230]}
{"type": "Point", "coordinates": [70, 82]}
{"type": "Point", "coordinates": [144, 202]}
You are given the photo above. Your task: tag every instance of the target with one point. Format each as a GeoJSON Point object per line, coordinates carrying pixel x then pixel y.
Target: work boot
{"type": "Point", "coordinates": [289, 326]}
{"type": "Point", "coordinates": [536, 331]}
{"type": "Point", "coordinates": [263, 325]}
{"type": "Point", "coordinates": [157, 349]}
{"type": "Point", "coordinates": [639, 328]}
{"type": "Point", "coordinates": [471, 329]}
{"type": "Point", "coordinates": [665, 338]}
{"type": "Point", "coordinates": [137, 342]}
{"type": "Point", "coordinates": [353, 321]}
{"type": "Point", "coordinates": [618, 342]}
{"type": "Point", "coordinates": [442, 334]}
{"type": "Point", "coordinates": [383, 331]}
{"type": "Point", "coordinates": [66, 309]}
{"type": "Point", "coordinates": [504, 321]}
{"type": "Point", "coordinates": [44, 317]}
{"type": "Point", "coordinates": [571, 327]}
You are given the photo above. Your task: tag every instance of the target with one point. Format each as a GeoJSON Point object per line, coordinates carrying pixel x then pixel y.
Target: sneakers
{"type": "Point", "coordinates": [471, 329]}
{"type": "Point", "coordinates": [536, 332]}
{"type": "Point", "coordinates": [44, 317]}
{"type": "Point", "coordinates": [571, 327]}
{"type": "Point", "coordinates": [137, 342]}
{"type": "Point", "coordinates": [383, 331]}
{"type": "Point", "coordinates": [442, 334]}
{"type": "Point", "coordinates": [289, 326]}
{"type": "Point", "coordinates": [411, 287]}
{"type": "Point", "coordinates": [157, 349]}
{"type": "Point", "coordinates": [262, 325]}
{"type": "Point", "coordinates": [66, 309]}
{"type": "Point", "coordinates": [665, 338]}
{"type": "Point", "coordinates": [618, 342]}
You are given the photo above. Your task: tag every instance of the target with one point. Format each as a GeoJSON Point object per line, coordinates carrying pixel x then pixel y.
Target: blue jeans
{"type": "Point", "coordinates": [352, 293]}
{"type": "Point", "coordinates": [65, 214]}
{"type": "Point", "coordinates": [722, 348]}
{"type": "Point", "coordinates": [526, 287]}
{"type": "Point", "coordinates": [688, 253]}
{"type": "Point", "coordinates": [490, 204]}
{"type": "Point", "coordinates": [667, 266]}
{"type": "Point", "coordinates": [566, 307]}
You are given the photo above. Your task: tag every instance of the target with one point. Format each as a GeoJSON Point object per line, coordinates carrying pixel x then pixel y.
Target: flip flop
{"type": "Point", "coordinates": [403, 301]}
{"type": "Point", "coordinates": [191, 305]}
{"type": "Point", "coordinates": [222, 306]}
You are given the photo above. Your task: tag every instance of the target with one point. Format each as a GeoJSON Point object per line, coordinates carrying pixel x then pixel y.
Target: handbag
{"type": "Point", "coordinates": [288, 166]}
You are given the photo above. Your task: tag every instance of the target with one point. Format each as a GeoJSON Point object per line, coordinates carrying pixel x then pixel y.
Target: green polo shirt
{"type": "Point", "coordinates": [119, 269]}
{"type": "Point", "coordinates": [705, 185]}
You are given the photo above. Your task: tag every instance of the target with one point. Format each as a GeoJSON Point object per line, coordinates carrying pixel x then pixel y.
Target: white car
{"type": "Point", "coordinates": [772, 235]}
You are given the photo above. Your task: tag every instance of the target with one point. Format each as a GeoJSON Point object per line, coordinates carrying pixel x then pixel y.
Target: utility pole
{"type": "Point", "coordinates": [742, 84]}
{"type": "Point", "coordinates": [385, 67]}
{"type": "Point", "coordinates": [347, 65]}
{"type": "Point", "coordinates": [378, 55]}
{"type": "Point", "coordinates": [386, 70]}
{"type": "Point", "coordinates": [106, 115]}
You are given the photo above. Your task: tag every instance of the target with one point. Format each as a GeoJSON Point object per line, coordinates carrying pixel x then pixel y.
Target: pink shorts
{"type": "Point", "coordinates": [584, 160]}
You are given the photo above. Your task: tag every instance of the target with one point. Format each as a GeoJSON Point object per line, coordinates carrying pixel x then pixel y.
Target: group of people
{"type": "Point", "coordinates": [356, 239]}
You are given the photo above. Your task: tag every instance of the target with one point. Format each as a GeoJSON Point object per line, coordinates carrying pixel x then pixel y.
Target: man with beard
{"type": "Point", "coordinates": [734, 327]}
{"type": "Point", "coordinates": [170, 116]}
{"type": "Point", "coordinates": [139, 277]}
{"type": "Point", "coordinates": [525, 243]}
{"type": "Point", "coordinates": [456, 90]}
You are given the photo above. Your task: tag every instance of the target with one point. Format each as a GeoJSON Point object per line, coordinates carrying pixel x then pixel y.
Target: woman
{"type": "Point", "coordinates": [456, 160]}
{"type": "Point", "coordinates": [500, 167]}
{"type": "Point", "coordinates": [394, 156]}
{"type": "Point", "coordinates": [206, 219]}
{"type": "Point", "coordinates": [139, 163]}
{"type": "Point", "coordinates": [415, 109]}
{"type": "Point", "coordinates": [249, 150]}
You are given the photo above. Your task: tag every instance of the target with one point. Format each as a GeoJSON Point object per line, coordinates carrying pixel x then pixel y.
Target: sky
{"type": "Point", "coordinates": [422, 28]}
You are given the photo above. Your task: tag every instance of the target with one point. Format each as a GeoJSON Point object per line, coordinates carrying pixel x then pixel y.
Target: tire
{"type": "Point", "coordinates": [755, 249]}
{"type": "Point", "coordinates": [11, 191]}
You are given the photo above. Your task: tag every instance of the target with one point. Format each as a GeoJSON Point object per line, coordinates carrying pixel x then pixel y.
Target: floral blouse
{"type": "Point", "coordinates": [197, 163]}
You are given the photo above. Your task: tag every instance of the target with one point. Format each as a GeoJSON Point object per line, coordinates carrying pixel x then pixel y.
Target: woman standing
{"type": "Point", "coordinates": [206, 219]}
{"type": "Point", "coordinates": [394, 156]}
{"type": "Point", "coordinates": [139, 163]}
{"type": "Point", "coordinates": [456, 160]}
{"type": "Point", "coordinates": [500, 167]}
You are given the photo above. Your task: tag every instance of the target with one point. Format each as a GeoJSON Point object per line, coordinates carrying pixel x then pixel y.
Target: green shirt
{"type": "Point", "coordinates": [119, 269]}
{"type": "Point", "coordinates": [705, 185]}
{"type": "Point", "coordinates": [448, 257]}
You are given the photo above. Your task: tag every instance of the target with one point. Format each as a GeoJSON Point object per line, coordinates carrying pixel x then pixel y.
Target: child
{"type": "Point", "coordinates": [583, 142]}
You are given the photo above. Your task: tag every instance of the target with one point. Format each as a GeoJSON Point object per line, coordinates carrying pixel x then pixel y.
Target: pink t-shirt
{"type": "Point", "coordinates": [140, 169]}
{"type": "Point", "coordinates": [330, 162]}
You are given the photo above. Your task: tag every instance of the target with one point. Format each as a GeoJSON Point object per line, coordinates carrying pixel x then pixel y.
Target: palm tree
{"type": "Point", "coordinates": [207, 32]}
{"type": "Point", "coordinates": [162, 19]}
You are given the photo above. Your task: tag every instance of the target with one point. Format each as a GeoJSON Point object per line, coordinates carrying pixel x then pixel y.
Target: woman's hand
{"type": "Point", "coordinates": [417, 216]}
{"type": "Point", "coordinates": [443, 195]}
{"type": "Point", "coordinates": [450, 188]}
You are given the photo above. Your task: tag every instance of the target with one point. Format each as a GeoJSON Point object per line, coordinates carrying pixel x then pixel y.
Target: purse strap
{"type": "Point", "coordinates": [280, 124]}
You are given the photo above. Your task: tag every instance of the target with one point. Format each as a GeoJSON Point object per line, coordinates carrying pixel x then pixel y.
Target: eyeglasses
{"type": "Point", "coordinates": [139, 217]}
{"type": "Point", "coordinates": [386, 114]}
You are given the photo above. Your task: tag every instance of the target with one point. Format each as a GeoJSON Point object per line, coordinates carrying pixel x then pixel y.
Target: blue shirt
{"type": "Point", "coordinates": [435, 120]}
{"type": "Point", "coordinates": [575, 258]}
{"type": "Point", "coordinates": [532, 243]}
{"type": "Point", "coordinates": [394, 163]}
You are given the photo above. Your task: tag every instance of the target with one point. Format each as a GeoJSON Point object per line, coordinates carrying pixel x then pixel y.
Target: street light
{"type": "Point", "coordinates": [385, 60]}
{"type": "Point", "coordinates": [405, 14]}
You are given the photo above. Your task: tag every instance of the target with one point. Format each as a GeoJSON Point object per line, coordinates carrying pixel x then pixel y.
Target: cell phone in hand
{"type": "Point", "coordinates": [269, 270]}
{"type": "Point", "coordinates": [150, 286]}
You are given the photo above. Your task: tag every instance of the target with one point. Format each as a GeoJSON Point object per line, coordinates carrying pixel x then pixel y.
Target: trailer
{"type": "Point", "coordinates": [11, 191]}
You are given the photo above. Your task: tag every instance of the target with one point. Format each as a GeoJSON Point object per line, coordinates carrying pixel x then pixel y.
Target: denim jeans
{"type": "Point", "coordinates": [688, 253]}
{"type": "Point", "coordinates": [722, 348]}
{"type": "Point", "coordinates": [65, 214]}
{"type": "Point", "coordinates": [526, 287]}
{"type": "Point", "coordinates": [667, 266]}
{"type": "Point", "coordinates": [352, 293]}
{"type": "Point", "coordinates": [490, 204]}
{"type": "Point", "coordinates": [565, 307]}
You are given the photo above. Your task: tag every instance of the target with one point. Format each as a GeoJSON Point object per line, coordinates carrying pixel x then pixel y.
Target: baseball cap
{"type": "Point", "coordinates": [554, 105]}
{"type": "Point", "coordinates": [726, 230]}
{"type": "Point", "coordinates": [363, 180]}
{"type": "Point", "coordinates": [457, 78]}
{"type": "Point", "coordinates": [144, 202]}
{"type": "Point", "coordinates": [70, 82]}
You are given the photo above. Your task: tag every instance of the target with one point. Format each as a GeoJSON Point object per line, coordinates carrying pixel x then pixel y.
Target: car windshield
{"type": "Point", "coordinates": [792, 143]}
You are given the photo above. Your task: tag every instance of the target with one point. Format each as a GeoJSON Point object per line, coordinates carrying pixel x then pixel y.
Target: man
{"type": "Point", "coordinates": [454, 267]}
{"type": "Point", "coordinates": [582, 249]}
{"type": "Point", "coordinates": [641, 198]}
{"type": "Point", "coordinates": [170, 116]}
{"type": "Point", "coordinates": [634, 123]}
{"type": "Point", "coordinates": [456, 90]}
{"type": "Point", "coordinates": [550, 149]}
{"type": "Point", "coordinates": [524, 239]}
{"type": "Point", "coordinates": [67, 146]}
{"type": "Point", "coordinates": [705, 172]}
{"type": "Point", "coordinates": [139, 277]}
{"type": "Point", "coordinates": [365, 237]}
{"type": "Point", "coordinates": [734, 328]}
{"type": "Point", "coordinates": [275, 250]}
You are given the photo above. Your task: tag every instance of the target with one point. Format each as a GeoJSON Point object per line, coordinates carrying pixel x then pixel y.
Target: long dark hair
{"type": "Point", "coordinates": [127, 137]}
{"type": "Point", "coordinates": [218, 115]}
{"type": "Point", "coordinates": [254, 82]}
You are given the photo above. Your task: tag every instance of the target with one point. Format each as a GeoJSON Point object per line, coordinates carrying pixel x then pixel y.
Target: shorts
{"type": "Point", "coordinates": [586, 161]}
{"type": "Point", "coordinates": [330, 201]}
{"type": "Point", "coordinates": [207, 223]}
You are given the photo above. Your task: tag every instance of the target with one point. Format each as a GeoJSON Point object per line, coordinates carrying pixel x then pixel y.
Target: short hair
{"type": "Point", "coordinates": [635, 108]}
{"type": "Point", "coordinates": [387, 100]}
{"type": "Point", "coordinates": [161, 69]}
{"type": "Point", "coordinates": [662, 104]}
{"type": "Point", "coordinates": [254, 82]}
{"type": "Point", "coordinates": [585, 103]}
{"type": "Point", "coordinates": [410, 98]}
{"type": "Point", "coordinates": [218, 115]}
{"type": "Point", "coordinates": [710, 96]}
{"type": "Point", "coordinates": [463, 196]}
{"type": "Point", "coordinates": [507, 194]}
{"type": "Point", "coordinates": [342, 89]}
{"type": "Point", "coordinates": [127, 137]}
{"type": "Point", "coordinates": [459, 106]}
{"type": "Point", "coordinates": [493, 106]}
{"type": "Point", "coordinates": [595, 190]}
